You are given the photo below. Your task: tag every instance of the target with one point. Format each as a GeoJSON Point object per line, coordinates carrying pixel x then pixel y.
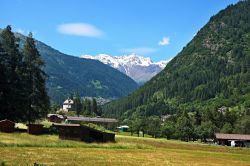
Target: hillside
{"type": "Point", "coordinates": [213, 70]}
{"type": "Point", "coordinates": [68, 74]}
{"type": "Point", "coordinates": [137, 67]}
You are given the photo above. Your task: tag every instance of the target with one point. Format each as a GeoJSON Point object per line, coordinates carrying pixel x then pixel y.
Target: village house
{"type": "Point", "coordinates": [234, 140]}
{"type": "Point", "coordinates": [165, 117]}
{"type": "Point", "coordinates": [68, 104]}
{"type": "Point", "coordinates": [222, 109]}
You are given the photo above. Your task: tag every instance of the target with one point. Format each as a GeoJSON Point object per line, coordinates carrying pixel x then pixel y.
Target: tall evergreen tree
{"type": "Point", "coordinates": [78, 105]}
{"type": "Point", "coordinates": [154, 126]}
{"type": "Point", "coordinates": [14, 98]}
{"type": "Point", "coordinates": [38, 100]}
{"type": "Point", "coordinates": [4, 86]}
{"type": "Point", "coordinates": [94, 106]}
{"type": "Point", "coordinates": [184, 127]}
{"type": "Point", "coordinates": [88, 108]}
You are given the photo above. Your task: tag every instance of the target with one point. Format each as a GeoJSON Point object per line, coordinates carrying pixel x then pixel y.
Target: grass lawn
{"type": "Point", "coordinates": [24, 149]}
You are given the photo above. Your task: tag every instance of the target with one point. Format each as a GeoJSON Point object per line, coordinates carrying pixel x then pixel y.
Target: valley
{"type": "Point", "coordinates": [113, 95]}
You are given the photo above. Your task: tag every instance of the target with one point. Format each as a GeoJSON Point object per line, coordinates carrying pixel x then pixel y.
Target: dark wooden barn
{"type": "Point", "coordinates": [7, 126]}
{"type": "Point", "coordinates": [83, 133]}
{"type": "Point", "coordinates": [35, 129]}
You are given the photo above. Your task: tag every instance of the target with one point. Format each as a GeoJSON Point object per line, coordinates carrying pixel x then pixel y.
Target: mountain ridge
{"type": "Point", "coordinates": [137, 67]}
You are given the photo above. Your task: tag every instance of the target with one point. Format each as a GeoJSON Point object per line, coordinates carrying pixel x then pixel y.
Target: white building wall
{"type": "Point", "coordinates": [66, 107]}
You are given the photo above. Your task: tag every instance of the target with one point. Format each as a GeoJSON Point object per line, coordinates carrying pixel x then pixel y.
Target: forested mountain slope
{"type": "Point", "coordinates": [213, 70]}
{"type": "Point", "coordinates": [68, 74]}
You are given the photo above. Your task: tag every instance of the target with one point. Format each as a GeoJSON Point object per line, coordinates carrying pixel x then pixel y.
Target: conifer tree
{"type": "Point", "coordinates": [14, 96]}
{"type": "Point", "coordinates": [4, 86]}
{"type": "Point", "coordinates": [94, 106]}
{"type": "Point", "coordinates": [88, 108]}
{"type": "Point", "coordinates": [38, 100]}
{"type": "Point", "coordinates": [78, 104]}
{"type": "Point", "coordinates": [184, 126]}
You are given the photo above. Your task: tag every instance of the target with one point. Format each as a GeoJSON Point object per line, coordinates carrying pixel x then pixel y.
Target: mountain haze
{"type": "Point", "coordinates": [213, 70]}
{"type": "Point", "coordinates": [137, 67]}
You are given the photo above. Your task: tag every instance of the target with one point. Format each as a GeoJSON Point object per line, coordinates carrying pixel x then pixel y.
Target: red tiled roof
{"type": "Point", "coordinates": [232, 136]}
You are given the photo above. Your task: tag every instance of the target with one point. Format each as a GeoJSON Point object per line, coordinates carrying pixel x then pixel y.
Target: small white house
{"type": "Point", "coordinates": [67, 104]}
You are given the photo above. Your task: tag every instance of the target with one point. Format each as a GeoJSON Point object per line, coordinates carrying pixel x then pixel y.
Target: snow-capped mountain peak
{"type": "Point", "coordinates": [139, 68]}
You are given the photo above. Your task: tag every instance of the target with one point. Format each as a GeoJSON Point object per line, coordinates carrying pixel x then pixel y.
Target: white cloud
{"type": "Point", "coordinates": [139, 50]}
{"type": "Point", "coordinates": [80, 29]}
{"type": "Point", "coordinates": [164, 41]}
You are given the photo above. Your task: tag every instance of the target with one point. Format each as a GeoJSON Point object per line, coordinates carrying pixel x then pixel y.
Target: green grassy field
{"type": "Point", "coordinates": [24, 149]}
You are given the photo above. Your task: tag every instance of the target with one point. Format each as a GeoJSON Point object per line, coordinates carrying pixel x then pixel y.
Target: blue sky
{"type": "Point", "coordinates": [152, 28]}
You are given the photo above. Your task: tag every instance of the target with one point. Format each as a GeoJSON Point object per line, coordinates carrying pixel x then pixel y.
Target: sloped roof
{"type": "Point", "coordinates": [81, 126]}
{"type": "Point", "coordinates": [6, 120]}
{"type": "Point", "coordinates": [66, 125]}
{"type": "Point", "coordinates": [68, 101]}
{"type": "Point", "coordinates": [232, 136]}
{"type": "Point", "coordinates": [88, 119]}
{"type": "Point", "coordinates": [59, 116]}
{"type": "Point", "coordinates": [124, 126]}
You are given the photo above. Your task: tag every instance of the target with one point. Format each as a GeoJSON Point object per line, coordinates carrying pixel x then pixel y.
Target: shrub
{"type": "Point", "coordinates": [3, 164]}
